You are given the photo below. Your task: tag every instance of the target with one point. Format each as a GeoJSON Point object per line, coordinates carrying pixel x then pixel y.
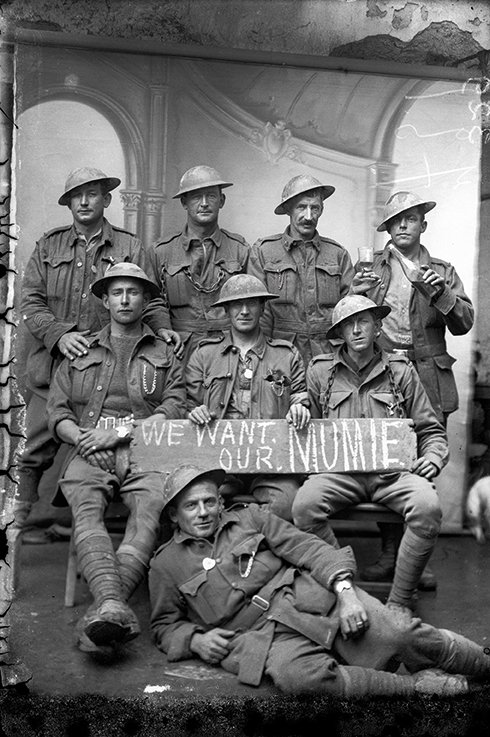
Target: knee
{"type": "Point", "coordinates": [307, 504]}
{"type": "Point", "coordinates": [425, 516]}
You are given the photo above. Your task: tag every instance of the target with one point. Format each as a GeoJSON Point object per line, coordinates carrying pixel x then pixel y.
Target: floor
{"type": "Point", "coordinates": [43, 628]}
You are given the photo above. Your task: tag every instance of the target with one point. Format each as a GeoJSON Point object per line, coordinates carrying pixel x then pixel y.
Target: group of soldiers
{"type": "Point", "coordinates": [202, 326]}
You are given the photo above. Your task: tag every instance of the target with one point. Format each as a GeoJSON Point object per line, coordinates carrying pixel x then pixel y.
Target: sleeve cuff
{"type": "Point", "coordinates": [446, 301]}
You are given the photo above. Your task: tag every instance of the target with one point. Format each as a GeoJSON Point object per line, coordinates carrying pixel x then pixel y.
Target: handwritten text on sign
{"type": "Point", "coordinates": [274, 446]}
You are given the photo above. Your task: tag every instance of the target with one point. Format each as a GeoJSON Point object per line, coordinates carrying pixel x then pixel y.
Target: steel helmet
{"type": "Point", "coordinates": [352, 304]}
{"type": "Point", "coordinates": [298, 185]}
{"type": "Point", "coordinates": [124, 269]}
{"type": "Point", "coordinates": [401, 201]}
{"type": "Point", "coordinates": [199, 177]}
{"type": "Point", "coordinates": [243, 286]}
{"type": "Point", "coordinates": [180, 477]}
{"type": "Point", "coordinates": [84, 175]}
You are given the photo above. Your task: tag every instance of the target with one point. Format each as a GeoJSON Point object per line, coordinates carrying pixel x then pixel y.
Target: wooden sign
{"type": "Point", "coordinates": [274, 446]}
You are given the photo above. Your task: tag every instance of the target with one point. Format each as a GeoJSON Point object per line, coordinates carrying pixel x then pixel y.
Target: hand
{"type": "Point", "coordinates": [434, 279]}
{"type": "Point", "coordinates": [170, 336]}
{"type": "Point", "coordinates": [353, 617]}
{"type": "Point", "coordinates": [298, 415]}
{"type": "Point", "coordinates": [212, 646]}
{"type": "Point", "coordinates": [363, 281]}
{"type": "Point", "coordinates": [72, 345]}
{"type": "Point", "coordinates": [95, 439]}
{"type": "Point", "coordinates": [425, 468]}
{"type": "Point", "coordinates": [201, 415]}
{"type": "Point", "coordinates": [104, 459]}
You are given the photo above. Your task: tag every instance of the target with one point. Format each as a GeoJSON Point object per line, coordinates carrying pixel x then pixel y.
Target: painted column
{"type": "Point", "coordinates": [157, 149]}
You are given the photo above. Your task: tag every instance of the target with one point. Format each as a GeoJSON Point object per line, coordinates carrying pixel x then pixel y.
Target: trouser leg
{"type": "Point", "coordinates": [298, 665]}
{"type": "Point", "coordinates": [278, 492]}
{"type": "Point", "coordinates": [88, 491]}
{"type": "Point", "coordinates": [143, 496]}
{"type": "Point", "coordinates": [416, 500]}
{"type": "Point", "coordinates": [321, 496]}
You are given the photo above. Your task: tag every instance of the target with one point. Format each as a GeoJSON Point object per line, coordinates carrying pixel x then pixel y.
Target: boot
{"type": "Point", "coordinates": [111, 622]}
{"type": "Point", "coordinates": [384, 568]}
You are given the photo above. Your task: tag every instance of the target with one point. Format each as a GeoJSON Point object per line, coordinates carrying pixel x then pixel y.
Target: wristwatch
{"type": "Point", "coordinates": [342, 585]}
{"type": "Point", "coordinates": [123, 432]}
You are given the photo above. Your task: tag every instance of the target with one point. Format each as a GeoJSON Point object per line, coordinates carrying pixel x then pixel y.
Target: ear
{"type": "Point", "coordinates": [107, 199]}
{"type": "Point", "coordinates": [423, 226]}
{"type": "Point", "coordinates": [222, 200]}
{"type": "Point", "coordinates": [105, 301]}
{"type": "Point", "coordinates": [172, 513]}
{"type": "Point", "coordinates": [221, 503]}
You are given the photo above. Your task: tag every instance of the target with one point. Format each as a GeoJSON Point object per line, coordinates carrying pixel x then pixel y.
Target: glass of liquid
{"type": "Point", "coordinates": [365, 258]}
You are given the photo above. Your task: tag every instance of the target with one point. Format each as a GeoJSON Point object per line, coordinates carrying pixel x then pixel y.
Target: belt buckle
{"type": "Point", "coordinates": [260, 602]}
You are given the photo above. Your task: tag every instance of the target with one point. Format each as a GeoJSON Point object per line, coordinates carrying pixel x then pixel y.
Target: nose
{"type": "Point", "coordinates": [202, 509]}
{"type": "Point", "coordinates": [83, 198]}
{"type": "Point", "coordinates": [124, 297]}
{"type": "Point", "coordinates": [308, 213]}
{"type": "Point", "coordinates": [244, 308]}
{"type": "Point", "coordinates": [356, 327]}
{"type": "Point", "coordinates": [204, 199]}
{"type": "Point", "coordinates": [403, 222]}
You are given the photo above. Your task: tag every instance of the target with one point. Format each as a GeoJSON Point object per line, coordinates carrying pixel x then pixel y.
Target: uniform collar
{"type": "Point", "coordinates": [289, 242]}
{"type": "Point", "coordinates": [258, 348]}
{"type": "Point", "coordinates": [188, 236]}
{"type": "Point", "coordinates": [106, 234]}
{"type": "Point", "coordinates": [103, 336]}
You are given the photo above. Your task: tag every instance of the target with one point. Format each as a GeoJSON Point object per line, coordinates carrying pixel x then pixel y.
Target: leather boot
{"type": "Point", "coordinates": [111, 622]}
{"type": "Point", "coordinates": [384, 568]}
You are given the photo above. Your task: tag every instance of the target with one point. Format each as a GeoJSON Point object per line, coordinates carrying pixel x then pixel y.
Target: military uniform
{"type": "Point", "coordinates": [191, 280]}
{"type": "Point", "coordinates": [428, 322]}
{"type": "Point", "coordinates": [56, 299]}
{"type": "Point", "coordinates": [310, 278]}
{"type": "Point", "coordinates": [79, 392]}
{"type": "Point", "coordinates": [388, 387]}
{"type": "Point", "coordinates": [272, 585]}
{"type": "Point", "coordinates": [273, 379]}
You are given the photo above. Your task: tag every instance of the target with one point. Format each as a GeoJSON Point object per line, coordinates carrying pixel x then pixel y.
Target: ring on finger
{"type": "Point", "coordinates": [94, 447]}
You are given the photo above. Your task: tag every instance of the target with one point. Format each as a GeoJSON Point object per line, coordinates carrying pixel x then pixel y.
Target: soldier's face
{"type": "Point", "coordinates": [203, 205]}
{"type": "Point", "coordinates": [125, 299]}
{"type": "Point", "coordinates": [359, 332]}
{"type": "Point", "coordinates": [245, 314]}
{"type": "Point", "coordinates": [87, 203]}
{"type": "Point", "coordinates": [406, 228]}
{"type": "Point", "coordinates": [197, 509]}
{"type": "Point", "coordinates": [304, 214]}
